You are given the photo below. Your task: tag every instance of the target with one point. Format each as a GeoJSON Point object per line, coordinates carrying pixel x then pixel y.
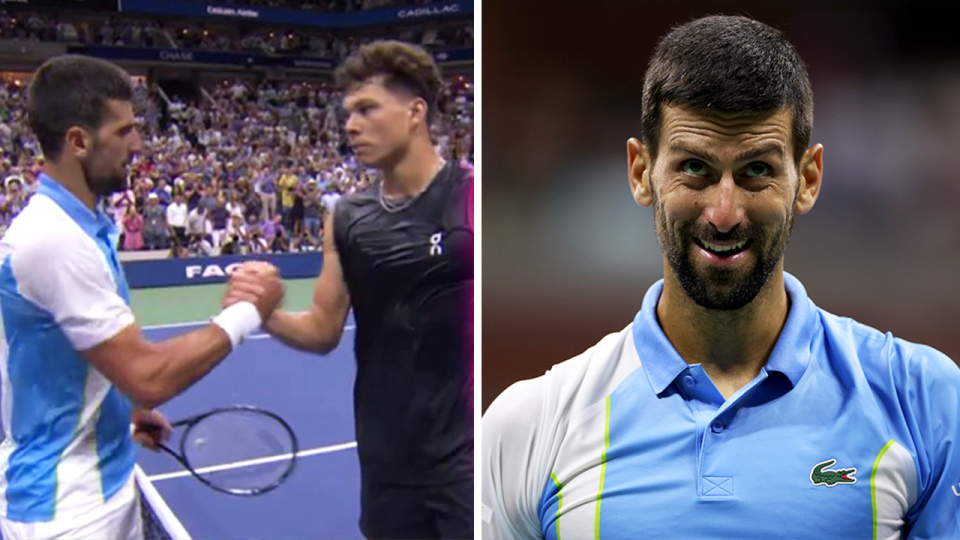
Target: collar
{"type": "Point", "coordinates": [96, 224]}
{"type": "Point", "coordinates": [663, 364]}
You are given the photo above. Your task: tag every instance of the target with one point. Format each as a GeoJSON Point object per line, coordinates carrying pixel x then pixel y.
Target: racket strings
{"type": "Point", "coordinates": [240, 450]}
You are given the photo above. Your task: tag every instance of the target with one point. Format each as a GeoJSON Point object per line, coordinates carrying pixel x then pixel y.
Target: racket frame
{"type": "Point", "coordinates": [192, 421]}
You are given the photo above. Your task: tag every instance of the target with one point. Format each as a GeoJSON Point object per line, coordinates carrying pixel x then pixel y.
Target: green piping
{"type": "Point", "coordinates": [873, 484]}
{"type": "Point", "coordinates": [560, 504]}
{"type": "Point", "coordinates": [603, 469]}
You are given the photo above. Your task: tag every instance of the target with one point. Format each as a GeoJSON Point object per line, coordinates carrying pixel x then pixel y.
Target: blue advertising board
{"type": "Point", "coordinates": [202, 270]}
{"type": "Point", "coordinates": [301, 17]}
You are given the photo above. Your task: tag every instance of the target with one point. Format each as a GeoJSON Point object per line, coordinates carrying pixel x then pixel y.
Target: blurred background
{"type": "Point", "coordinates": [568, 254]}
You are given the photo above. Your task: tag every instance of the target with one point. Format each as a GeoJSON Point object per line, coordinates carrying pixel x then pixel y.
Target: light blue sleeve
{"type": "Point", "coordinates": [933, 393]}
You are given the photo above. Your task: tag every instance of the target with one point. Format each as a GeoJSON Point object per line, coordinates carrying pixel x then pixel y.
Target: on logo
{"type": "Point", "coordinates": [435, 247]}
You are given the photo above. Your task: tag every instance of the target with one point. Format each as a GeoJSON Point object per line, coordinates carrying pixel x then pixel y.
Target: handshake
{"type": "Point", "coordinates": [257, 282]}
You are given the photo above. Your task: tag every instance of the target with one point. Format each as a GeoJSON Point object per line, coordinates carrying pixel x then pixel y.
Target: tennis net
{"type": "Point", "coordinates": [159, 523]}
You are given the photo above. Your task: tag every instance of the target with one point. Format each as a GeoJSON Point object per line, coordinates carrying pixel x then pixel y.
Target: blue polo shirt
{"type": "Point", "coordinates": [845, 433]}
{"type": "Point", "coordinates": [67, 445]}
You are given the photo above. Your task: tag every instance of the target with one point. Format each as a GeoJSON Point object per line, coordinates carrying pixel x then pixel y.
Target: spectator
{"type": "Point", "coordinates": [265, 186]}
{"type": "Point", "coordinates": [155, 229]}
{"type": "Point", "coordinates": [330, 197]}
{"type": "Point", "coordinates": [288, 185]}
{"type": "Point", "coordinates": [312, 208]}
{"type": "Point", "coordinates": [177, 221]}
{"type": "Point", "coordinates": [306, 242]}
{"type": "Point", "coordinates": [132, 229]}
{"type": "Point", "coordinates": [280, 244]}
{"type": "Point", "coordinates": [236, 207]}
{"type": "Point", "coordinates": [198, 225]}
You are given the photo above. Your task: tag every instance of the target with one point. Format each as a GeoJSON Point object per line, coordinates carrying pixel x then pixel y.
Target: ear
{"type": "Point", "coordinates": [811, 175]}
{"type": "Point", "coordinates": [638, 171]}
{"type": "Point", "coordinates": [78, 142]}
{"type": "Point", "coordinates": [418, 111]}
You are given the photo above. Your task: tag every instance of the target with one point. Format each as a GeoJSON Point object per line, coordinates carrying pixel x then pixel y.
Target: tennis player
{"type": "Point", "coordinates": [402, 255]}
{"type": "Point", "coordinates": [731, 407]}
{"type": "Point", "coordinates": [75, 365]}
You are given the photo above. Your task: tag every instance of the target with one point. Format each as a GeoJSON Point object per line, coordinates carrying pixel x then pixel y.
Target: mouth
{"type": "Point", "coordinates": [723, 249]}
{"type": "Point", "coordinates": [723, 253]}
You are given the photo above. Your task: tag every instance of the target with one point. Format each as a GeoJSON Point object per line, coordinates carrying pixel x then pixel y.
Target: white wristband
{"type": "Point", "coordinates": [238, 321]}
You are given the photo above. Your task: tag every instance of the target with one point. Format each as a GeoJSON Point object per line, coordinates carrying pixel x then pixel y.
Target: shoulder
{"type": "Point", "coordinates": [922, 378]}
{"type": "Point", "coordinates": [566, 390]}
{"type": "Point", "coordinates": [883, 350]}
{"type": "Point", "coordinates": [43, 229]}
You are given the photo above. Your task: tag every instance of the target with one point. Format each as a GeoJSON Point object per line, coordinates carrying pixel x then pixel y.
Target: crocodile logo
{"type": "Point", "coordinates": [821, 476]}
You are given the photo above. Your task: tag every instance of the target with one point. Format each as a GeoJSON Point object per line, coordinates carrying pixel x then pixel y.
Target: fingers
{"type": "Point", "coordinates": [150, 428]}
{"type": "Point", "coordinates": [257, 282]}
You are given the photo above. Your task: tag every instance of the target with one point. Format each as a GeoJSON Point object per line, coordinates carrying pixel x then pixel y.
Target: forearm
{"type": "Point", "coordinates": [305, 330]}
{"type": "Point", "coordinates": [174, 365]}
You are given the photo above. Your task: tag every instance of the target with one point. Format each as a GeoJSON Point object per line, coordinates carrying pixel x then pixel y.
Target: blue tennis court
{"type": "Point", "coordinates": [314, 394]}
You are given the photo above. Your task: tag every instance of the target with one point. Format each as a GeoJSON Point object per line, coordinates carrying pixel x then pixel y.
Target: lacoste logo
{"type": "Point", "coordinates": [821, 476]}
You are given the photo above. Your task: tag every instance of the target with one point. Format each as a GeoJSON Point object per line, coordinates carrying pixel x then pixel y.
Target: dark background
{"type": "Point", "coordinates": [568, 254]}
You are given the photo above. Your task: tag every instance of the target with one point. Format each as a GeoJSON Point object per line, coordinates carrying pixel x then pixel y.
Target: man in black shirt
{"type": "Point", "coordinates": [401, 254]}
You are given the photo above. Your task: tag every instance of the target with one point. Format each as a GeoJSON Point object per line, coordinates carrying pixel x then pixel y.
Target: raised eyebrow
{"type": "Point", "coordinates": [699, 154]}
{"type": "Point", "coordinates": [746, 155]}
{"type": "Point", "coordinates": [749, 155]}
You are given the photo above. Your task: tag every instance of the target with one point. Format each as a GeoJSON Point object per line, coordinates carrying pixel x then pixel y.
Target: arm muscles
{"type": "Point", "coordinates": [152, 373]}
{"type": "Point", "coordinates": [319, 328]}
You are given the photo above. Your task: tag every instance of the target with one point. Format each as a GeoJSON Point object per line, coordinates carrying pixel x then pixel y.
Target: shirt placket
{"type": "Point", "coordinates": [715, 427]}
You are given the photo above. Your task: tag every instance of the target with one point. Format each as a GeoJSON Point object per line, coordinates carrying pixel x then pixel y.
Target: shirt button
{"type": "Point", "coordinates": [689, 380]}
{"type": "Point", "coordinates": [717, 426]}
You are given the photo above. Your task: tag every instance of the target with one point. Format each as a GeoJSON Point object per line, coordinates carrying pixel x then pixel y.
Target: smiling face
{"type": "Point", "coordinates": [725, 188]}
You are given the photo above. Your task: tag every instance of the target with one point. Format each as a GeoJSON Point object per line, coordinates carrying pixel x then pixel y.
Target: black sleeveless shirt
{"type": "Point", "coordinates": [410, 278]}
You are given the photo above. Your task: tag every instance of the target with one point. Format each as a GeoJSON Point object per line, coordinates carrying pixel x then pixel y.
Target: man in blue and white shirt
{"type": "Point", "coordinates": [75, 366]}
{"type": "Point", "coordinates": [732, 407]}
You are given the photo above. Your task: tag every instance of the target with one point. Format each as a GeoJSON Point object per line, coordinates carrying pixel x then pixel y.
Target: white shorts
{"type": "Point", "coordinates": [118, 518]}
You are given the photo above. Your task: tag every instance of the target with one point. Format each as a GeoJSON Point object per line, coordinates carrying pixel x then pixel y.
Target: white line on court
{"type": "Point", "coordinates": [258, 461]}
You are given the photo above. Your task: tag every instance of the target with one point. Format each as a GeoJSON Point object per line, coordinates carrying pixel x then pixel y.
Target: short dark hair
{"type": "Point", "coordinates": [403, 66]}
{"type": "Point", "coordinates": [72, 90]}
{"type": "Point", "coordinates": [728, 64]}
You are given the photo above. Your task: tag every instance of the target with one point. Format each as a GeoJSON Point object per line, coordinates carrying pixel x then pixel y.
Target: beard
{"type": "Point", "coordinates": [100, 182]}
{"type": "Point", "coordinates": [717, 288]}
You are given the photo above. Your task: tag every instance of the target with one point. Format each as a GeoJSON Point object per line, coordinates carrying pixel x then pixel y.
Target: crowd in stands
{"type": "Point", "coordinates": [249, 167]}
{"type": "Point", "coordinates": [332, 6]}
{"type": "Point", "coordinates": [302, 41]}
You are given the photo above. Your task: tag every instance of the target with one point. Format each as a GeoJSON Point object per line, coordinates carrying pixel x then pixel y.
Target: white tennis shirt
{"type": "Point", "coordinates": [67, 445]}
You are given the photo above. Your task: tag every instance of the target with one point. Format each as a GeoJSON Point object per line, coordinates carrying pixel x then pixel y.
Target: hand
{"type": "Point", "coordinates": [150, 428]}
{"type": "Point", "coordinates": [257, 282]}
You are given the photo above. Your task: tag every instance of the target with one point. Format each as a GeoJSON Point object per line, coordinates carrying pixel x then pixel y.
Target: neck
{"type": "Point", "coordinates": [70, 176]}
{"type": "Point", "coordinates": [412, 172]}
{"type": "Point", "coordinates": [732, 346]}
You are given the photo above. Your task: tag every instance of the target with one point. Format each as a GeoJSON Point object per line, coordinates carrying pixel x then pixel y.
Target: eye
{"type": "Point", "coordinates": [757, 169]}
{"type": "Point", "coordinates": [694, 167]}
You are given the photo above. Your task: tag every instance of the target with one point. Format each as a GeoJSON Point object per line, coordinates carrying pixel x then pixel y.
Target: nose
{"type": "Point", "coordinates": [724, 207]}
{"type": "Point", "coordinates": [137, 144]}
{"type": "Point", "coordinates": [352, 127]}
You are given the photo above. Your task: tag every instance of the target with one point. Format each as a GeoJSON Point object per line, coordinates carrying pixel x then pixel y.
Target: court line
{"type": "Point", "coordinates": [251, 462]}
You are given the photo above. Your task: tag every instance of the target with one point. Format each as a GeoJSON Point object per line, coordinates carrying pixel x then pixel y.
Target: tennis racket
{"type": "Point", "coordinates": [240, 450]}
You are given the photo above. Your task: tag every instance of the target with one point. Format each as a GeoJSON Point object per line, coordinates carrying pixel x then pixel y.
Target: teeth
{"type": "Point", "coordinates": [721, 249]}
